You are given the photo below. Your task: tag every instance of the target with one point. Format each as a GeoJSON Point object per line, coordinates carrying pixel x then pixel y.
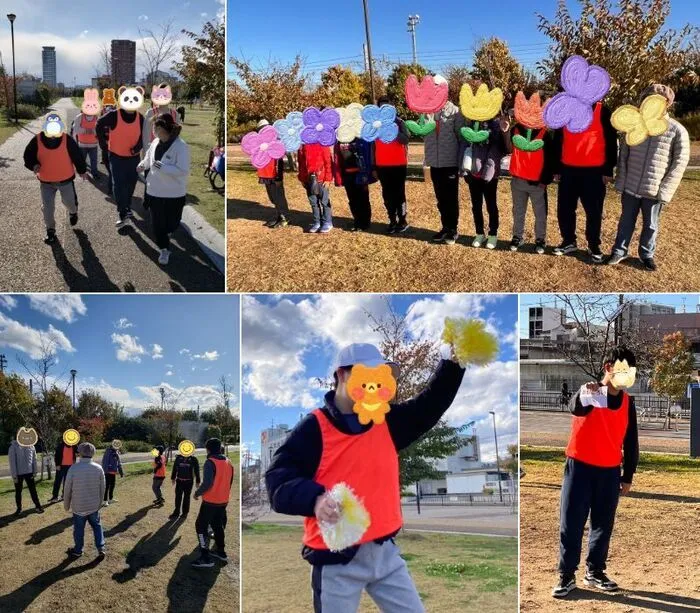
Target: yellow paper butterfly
{"type": "Point", "coordinates": [638, 124]}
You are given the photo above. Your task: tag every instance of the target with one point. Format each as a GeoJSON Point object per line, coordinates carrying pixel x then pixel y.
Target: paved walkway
{"type": "Point", "coordinates": [92, 256]}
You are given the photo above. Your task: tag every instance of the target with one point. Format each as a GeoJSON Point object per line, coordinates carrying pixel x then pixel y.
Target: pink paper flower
{"type": "Point", "coordinates": [263, 146]}
{"type": "Point", "coordinates": [428, 96]}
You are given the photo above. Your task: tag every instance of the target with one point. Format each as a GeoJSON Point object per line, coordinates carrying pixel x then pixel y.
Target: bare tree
{"type": "Point", "coordinates": [158, 47]}
{"type": "Point", "coordinates": [104, 65]}
{"type": "Point", "coordinates": [253, 493]}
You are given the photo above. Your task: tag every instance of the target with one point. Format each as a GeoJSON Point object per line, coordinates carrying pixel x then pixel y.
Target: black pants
{"type": "Point", "coordinates": [481, 191]}
{"type": "Point", "coordinates": [590, 189]}
{"type": "Point", "coordinates": [166, 214]}
{"type": "Point", "coordinates": [393, 182]}
{"type": "Point", "coordinates": [275, 192]}
{"type": "Point", "coordinates": [214, 516]}
{"type": "Point", "coordinates": [110, 481]}
{"type": "Point", "coordinates": [59, 479]}
{"type": "Point", "coordinates": [587, 490]}
{"type": "Point", "coordinates": [31, 486]}
{"type": "Point", "coordinates": [358, 198]}
{"type": "Point", "coordinates": [183, 493]}
{"type": "Point", "coordinates": [446, 186]}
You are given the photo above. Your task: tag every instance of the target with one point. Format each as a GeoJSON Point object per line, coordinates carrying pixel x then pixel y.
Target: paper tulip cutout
{"type": "Point", "coordinates": [263, 146]}
{"type": "Point", "coordinates": [528, 113]}
{"type": "Point", "coordinates": [380, 123]}
{"type": "Point", "coordinates": [482, 106]}
{"type": "Point", "coordinates": [640, 123]}
{"type": "Point", "coordinates": [584, 85]}
{"type": "Point", "coordinates": [320, 126]}
{"type": "Point", "coordinates": [351, 122]}
{"type": "Point", "coordinates": [371, 389]}
{"type": "Point", "coordinates": [289, 130]}
{"type": "Point", "coordinates": [471, 343]}
{"type": "Point", "coordinates": [352, 524]}
{"type": "Point", "coordinates": [426, 96]}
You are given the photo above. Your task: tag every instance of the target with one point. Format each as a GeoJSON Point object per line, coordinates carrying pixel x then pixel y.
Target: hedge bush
{"type": "Point", "coordinates": [692, 124]}
{"type": "Point", "coordinates": [236, 132]}
{"type": "Point", "coordinates": [24, 111]}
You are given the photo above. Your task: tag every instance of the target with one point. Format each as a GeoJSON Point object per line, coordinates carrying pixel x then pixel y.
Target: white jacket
{"type": "Point", "coordinates": [170, 180]}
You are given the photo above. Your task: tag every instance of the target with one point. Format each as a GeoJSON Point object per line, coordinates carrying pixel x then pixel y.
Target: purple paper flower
{"type": "Point", "coordinates": [584, 85]}
{"type": "Point", "coordinates": [263, 146]}
{"type": "Point", "coordinates": [320, 126]}
{"type": "Point", "coordinates": [380, 123]}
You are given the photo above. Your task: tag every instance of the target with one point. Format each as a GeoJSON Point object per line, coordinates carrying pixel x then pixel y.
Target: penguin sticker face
{"type": "Point", "coordinates": [130, 98]}
{"type": "Point", "coordinates": [53, 126]}
{"type": "Point", "coordinates": [27, 437]}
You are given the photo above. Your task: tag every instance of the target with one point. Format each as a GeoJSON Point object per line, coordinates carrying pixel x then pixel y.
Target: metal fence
{"type": "Point", "coordinates": [469, 500]}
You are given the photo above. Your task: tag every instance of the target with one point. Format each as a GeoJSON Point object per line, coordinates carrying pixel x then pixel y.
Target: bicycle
{"type": "Point", "coordinates": [216, 169]}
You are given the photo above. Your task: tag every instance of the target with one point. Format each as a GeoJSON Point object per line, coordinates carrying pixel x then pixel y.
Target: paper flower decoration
{"type": "Point", "coordinates": [640, 123]}
{"type": "Point", "coordinates": [263, 146]}
{"type": "Point", "coordinates": [380, 123]}
{"type": "Point", "coordinates": [428, 96]}
{"type": "Point", "coordinates": [320, 126]}
{"type": "Point", "coordinates": [353, 523]}
{"type": "Point", "coordinates": [584, 85]}
{"type": "Point", "coordinates": [471, 343]}
{"type": "Point", "coordinates": [289, 131]}
{"type": "Point", "coordinates": [351, 122]}
{"type": "Point", "coordinates": [528, 113]}
{"type": "Point", "coordinates": [483, 105]}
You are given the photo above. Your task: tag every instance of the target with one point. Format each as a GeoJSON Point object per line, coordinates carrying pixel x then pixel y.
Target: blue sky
{"type": "Point", "coordinates": [448, 30]}
{"type": "Point", "coordinates": [78, 28]}
{"type": "Point", "coordinates": [126, 347]}
{"type": "Point", "coordinates": [290, 340]}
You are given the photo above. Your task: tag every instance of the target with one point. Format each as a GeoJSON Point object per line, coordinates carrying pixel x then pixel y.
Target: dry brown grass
{"type": "Point", "coordinates": [287, 260]}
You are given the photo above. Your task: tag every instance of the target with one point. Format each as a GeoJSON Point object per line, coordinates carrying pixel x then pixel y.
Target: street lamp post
{"type": "Point", "coordinates": [12, 17]}
{"type": "Point", "coordinates": [369, 52]}
{"type": "Point", "coordinates": [412, 23]}
{"type": "Point", "coordinates": [498, 463]}
{"type": "Point", "coordinates": [72, 374]}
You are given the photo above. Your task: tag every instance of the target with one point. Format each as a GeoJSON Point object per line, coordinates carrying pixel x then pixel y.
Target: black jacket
{"type": "Point", "coordinates": [194, 471]}
{"type": "Point", "coordinates": [58, 456]}
{"type": "Point", "coordinates": [31, 153]}
{"type": "Point", "coordinates": [290, 478]}
{"type": "Point", "coordinates": [109, 122]}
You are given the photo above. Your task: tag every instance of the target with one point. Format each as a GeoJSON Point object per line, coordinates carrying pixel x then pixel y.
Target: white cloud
{"type": "Point", "coordinates": [32, 341]}
{"type": "Point", "coordinates": [203, 14]}
{"type": "Point", "coordinates": [142, 17]}
{"type": "Point", "coordinates": [123, 323]}
{"type": "Point", "coordinates": [64, 307]}
{"type": "Point", "coordinates": [169, 373]}
{"type": "Point", "coordinates": [184, 351]}
{"type": "Point", "coordinates": [210, 356]}
{"type": "Point", "coordinates": [156, 352]}
{"type": "Point", "coordinates": [128, 348]}
{"type": "Point", "coordinates": [8, 302]}
{"type": "Point", "coordinates": [204, 396]}
{"type": "Point", "coordinates": [107, 391]}
{"type": "Point", "coordinates": [84, 33]}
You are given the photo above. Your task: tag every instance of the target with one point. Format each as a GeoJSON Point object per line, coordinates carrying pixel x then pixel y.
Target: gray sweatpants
{"type": "Point", "coordinates": [48, 201]}
{"type": "Point", "coordinates": [521, 190]}
{"type": "Point", "coordinates": [631, 206]}
{"type": "Point", "coordinates": [379, 569]}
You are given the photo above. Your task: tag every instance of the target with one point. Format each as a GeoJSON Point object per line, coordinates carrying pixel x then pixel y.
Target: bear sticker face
{"type": "Point", "coordinates": [130, 98]}
{"type": "Point", "coordinates": [91, 102]}
{"type": "Point", "coordinates": [161, 95]}
{"type": "Point", "coordinates": [371, 389]}
{"type": "Point", "coordinates": [623, 375]}
{"type": "Point", "coordinates": [108, 98]}
{"type": "Point", "coordinates": [71, 437]}
{"type": "Point", "coordinates": [27, 437]}
{"type": "Point", "coordinates": [53, 126]}
{"type": "Point", "coordinates": [186, 448]}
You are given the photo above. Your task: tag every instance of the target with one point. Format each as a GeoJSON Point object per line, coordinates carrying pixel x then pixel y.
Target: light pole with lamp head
{"type": "Point", "coordinates": [369, 52]}
{"type": "Point", "coordinates": [12, 17]}
{"type": "Point", "coordinates": [498, 463]}
{"type": "Point", "coordinates": [72, 374]}
{"type": "Point", "coordinates": [412, 23]}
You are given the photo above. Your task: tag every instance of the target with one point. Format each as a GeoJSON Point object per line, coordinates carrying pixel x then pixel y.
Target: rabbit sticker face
{"type": "Point", "coordinates": [91, 102]}
{"type": "Point", "coordinates": [130, 98]}
{"type": "Point", "coordinates": [161, 95]}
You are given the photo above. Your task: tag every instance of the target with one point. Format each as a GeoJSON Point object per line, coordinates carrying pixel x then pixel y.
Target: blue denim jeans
{"type": "Point", "coordinates": [79, 522]}
{"type": "Point", "coordinates": [91, 153]}
{"type": "Point", "coordinates": [631, 207]}
{"type": "Point", "coordinates": [320, 200]}
{"type": "Point", "coordinates": [124, 179]}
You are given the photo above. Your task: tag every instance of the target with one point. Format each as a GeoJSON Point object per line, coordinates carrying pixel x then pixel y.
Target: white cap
{"type": "Point", "coordinates": [262, 123]}
{"type": "Point", "coordinates": [362, 353]}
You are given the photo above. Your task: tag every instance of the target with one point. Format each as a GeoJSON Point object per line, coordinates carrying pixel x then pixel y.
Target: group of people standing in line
{"type": "Point", "coordinates": [582, 164]}
{"type": "Point", "coordinates": [131, 143]}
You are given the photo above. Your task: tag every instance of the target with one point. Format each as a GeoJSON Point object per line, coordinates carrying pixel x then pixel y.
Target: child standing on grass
{"type": "Point", "coordinates": [603, 436]}
{"type": "Point", "coordinates": [185, 473]}
{"type": "Point", "coordinates": [331, 446]}
{"type": "Point", "coordinates": [272, 177]}
{"type": "Point", "coordinates": [353, 171]}
{"type": "Point", "coordinates": [315, 174]}
{"type": "Point", "coordinates": [111, 464]}
{"type": "Point", "coordinates": [64, 458]}
{"type": "Point", "coordinates": [22, 461]}
{"type": "Point", "coordinates": [159, 463]}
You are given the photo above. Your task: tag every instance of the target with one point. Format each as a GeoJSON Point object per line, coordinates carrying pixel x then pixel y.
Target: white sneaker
{"type": "Point", "coordinates": [164, 256]}
{"type": "Point", "coordinates": [120, 222]}
{"type": "Point", "coordinates": [479, 240]}
{"type": "Point", "coordinates": [492, 242]}
{"type": "Point", "coordinates": [105, 503]}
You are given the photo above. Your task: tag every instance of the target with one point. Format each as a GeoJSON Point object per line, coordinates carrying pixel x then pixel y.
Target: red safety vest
{"type": "Point", "coordinates": [597, 438]}
{"type": "Point", "coordinates": [159, 470]}
{"type": "Point", "coordinates": [269, 171]}
{"type": "Point", "coordinates": [125, 136]}
{"type": "Point", "coordinates": [527, 165]}
{"type": "Point", "coordinates": [220, 492]}
{"type": "Point", "coordinates": [392, 154]}
{"type": "Point", "coordinates": [55, 164]}
{"type": "Point", "coordinates": [67, 458]}
{"type": "Point", "coordinates": [585, 149]}
{"type": "Point", "coordinates": [88, 123]}
{"type": "Point", "coordinates": [369, 464]}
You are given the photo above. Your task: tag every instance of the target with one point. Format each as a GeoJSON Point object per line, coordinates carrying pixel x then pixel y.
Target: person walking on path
{"type": "Point", "coordinates": [161, 97]}
{"type": "Point", "coordinates": [167, 163]}
{"type": "Point", "coordinates": [648, 176]}
{"type": "Point", "coordinates": [215, 492]}
{"type": "Point", "coordinates": [111, 465]}
{"type": "Point", "coordinates": [85, 487]}
{"type": "Point", "coordinates": [159, 464]}
{"type": "Point", "coordinates": [22, 460]}
{"type": "Point", "coordinates": [353, 171]}
{"type": "Point", "coordinates": [272, 177]}
{"type": "Point", "coordinates": [64, 458]}
{"type": "Point", "coordinates": [315, 174]}
{"type": "Point", "coordinates": [84, 128]}
{"type": "Point", "coordinates": [54, 157]}
{"type": "Point", "coordinates": [184, 474]}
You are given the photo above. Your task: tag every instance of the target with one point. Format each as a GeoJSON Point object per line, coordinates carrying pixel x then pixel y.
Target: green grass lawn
{"type": "Point", "coordinates": [8, 128]}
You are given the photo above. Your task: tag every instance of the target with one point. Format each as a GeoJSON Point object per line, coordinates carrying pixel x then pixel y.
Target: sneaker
{"type": "Point", "coordinates": [356, 229]}
{"type": "Point", "coordinates": [516, 243]}
{"type": "Point", "coordinates": [439, 237]}
{"type": "Point", "coordinates": [52, 500]}
{"type": "Point", "coordinates": [164, 256]}
{"type": "Point", "coordinates": [492, 242]}
{"type": "Point", "coordinates": [17, 512]}
{"type": "Point", "coordinates": [567, 583]}
{"type": "Point", "coordinates": [597, 256]}
{"type": "Point", "coordinates": [173, 516]}
{"type": "Point", "coordinates": [392, 228]}
{"type": "Point", "coordinates": [479, 240]}
{"type": "Point", "coordinates": [326, 228]}
{"type": "Point", "coordinates": [649, 264]}
{"type": "Point", "coordinates": [39, 509]}
{"type": "Point", "coordinates": [565, 249]}
{"type": "Point", "coordinates": [450, 238]}
{"type": "Point", "coordinates": [615, 258]}
{"type": "Point", "coordinates": [540, 246]}
{"type": "Point", "coordinates": [50, 237]}
{"type": "Point", "coordinates": [598, 579]}
{"type": "Point", "coordinates": [129, 214]}
{"type": "Point", "coordinates": [203, 563]}
{"type": "Point", "coordinates": [74, 554]}
{"type": "Point", "coordinates": [280, 223]}
{"type": "Point", "coordinates": [271, 222]}
{"type": "Point", "coordinates": [401, 227]}
{"type": "Point", "coordinates": [74, 219]}
{"type": "Point", "coordinates": [101, 552]}
{"type": "Point", "coordinates": [105, 503]}
{"type": "Point", "coordinates": [314, 228]}
{"type": "Point", "coordinates": [121, 222]}
{"type": "Point", "coordinates": [220, 555]}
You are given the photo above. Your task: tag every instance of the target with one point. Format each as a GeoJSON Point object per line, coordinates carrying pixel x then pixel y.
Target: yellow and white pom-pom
{"type": "Point", "coordinates": [471, 342]}
{"type": "Point", "coordinates": [353, 523]}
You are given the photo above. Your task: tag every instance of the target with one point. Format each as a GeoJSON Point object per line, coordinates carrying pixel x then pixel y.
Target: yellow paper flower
{"type": "Point", "coordinates": [353, 523]}
{"type": "Point", "coordinates": [483, 105]}
{"type": "Point", "coordinates": [471, 342]}
{"type": "Point", "coordinates": [640, 123]}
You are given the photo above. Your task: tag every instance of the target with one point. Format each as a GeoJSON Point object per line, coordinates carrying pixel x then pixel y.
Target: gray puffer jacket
{"type": "Point", "coordinates": [22, 460]}
{"type": "Point", "coordinates": [655, 168]}
{"type": "Point", "coordinates": [442, 146]}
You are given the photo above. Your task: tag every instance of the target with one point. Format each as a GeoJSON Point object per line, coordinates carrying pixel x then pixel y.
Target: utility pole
{"type": "Point", "coordinates": [369, 52]}
{"type": "Point", "coordinates": [3, 363]}
{"type": "Point", "coordinates": [12, 18]}
{"type": "Point", "coordinates": [72, 374]}
{"type": "Point", "coordinates": [618, 320]}
{"type": "Point", "coordinates": [412, 23]}
{"type": "Point", "coordinates": [162, 398]}
{"type": "Point", "coordinates": [498, 462]}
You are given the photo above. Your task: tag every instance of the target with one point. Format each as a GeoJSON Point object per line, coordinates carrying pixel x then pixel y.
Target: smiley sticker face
{"type": "Point", "coordinates": [71, 437]}
{"type": "Point", "coordinates": [27, 437]}
{"type": "Point", "coordinates": [116, 444]}
{"type": "Point", "coordinates": [186, 448]}
{"type": "Point", "coordinates": [154, 453]}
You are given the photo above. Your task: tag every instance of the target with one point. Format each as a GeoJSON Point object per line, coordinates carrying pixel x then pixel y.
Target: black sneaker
{"type": "Point", "coordinates": [450, 238]}
{"type": "Point", "coordinates": [50, 237]}
{"type": "Point", "coordinates": [101, 552]}
{"type": "Point", "coordinates": [565, 249]}
{"type": "Point", "coordinates": [72, 553]}
{"type": "Point", "coordinates": [598, 579]}
{"type": "Point", "coordinates": [392, 228]}
{"type": "Point", "coordinates": [439, 237]}
{"type": "Point", "coordinates": [567, 583]}
{"type": "Point", "coordinates": [615, 259]}
{"type": "Point", "coordinates": [515, 243]}
{"type": "Point", "coordinates": [39, 509]}
{"type": "Point", "coordinates": [74, 218]}
{"type": "Point", "coordinates": [17, 512]}
{"type": "Point", "coordinates": [540, 246]}
{"type": "Point", "coordinates": [597, 256]}
{"type": "Point", "coordinates": [203, 562]}
{"type": "Point", "coordinates": [649, 264]}
{"type": "Point", "coordinates": [280, 223]}
{"type": "Point", "coordinates": [402, 226]}
{"type": "Point", "coordinates": [271, 222]}
{"type": "Point", "coordinates": [173, 516]}
{"type": "Point", "coordinates": [220, 555]}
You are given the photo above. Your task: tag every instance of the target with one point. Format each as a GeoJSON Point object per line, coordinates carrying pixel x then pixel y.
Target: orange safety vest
{"type": "Point", "coordinates": [67, 458]}
{"type": "Point", "coordinates": [220, 491]}
{"type": "Point", "coordinates": [597, 438]}
{"type": "Point", "coordinates": [124, 136]}
{"type": "Point", "coordinates": [55, 164]}
{"type": "Point", "coordinates": [369, 464]}
{"type": "Point", "coordinates": [159, 470]}
{"type": "Point", "coordinates": [391, 154]}
{"type": "Point", "coordinates": [87, 124]}
{"type": "Point", "coordinates": [585, 149]}
{"type": "Point", "coordinates": [527, 165]}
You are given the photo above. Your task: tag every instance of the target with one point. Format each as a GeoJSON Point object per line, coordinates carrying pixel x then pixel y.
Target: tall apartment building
{"type": "Point", "coordinates": [48, 63]}
{"type": "Point", "coordinates": [124, 62]}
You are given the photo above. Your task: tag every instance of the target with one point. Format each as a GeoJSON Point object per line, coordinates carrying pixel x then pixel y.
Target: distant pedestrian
{"type": "Point", "coordinates": [184, 474]}
{"type": "Point", "coordinates": [159, 463]}
{"type": "Point", "coordinates": [22, 460]}
{"type": "Point", "coordinates": [64, 458]}
{"type": "Point", "coordinates": [111, 464]}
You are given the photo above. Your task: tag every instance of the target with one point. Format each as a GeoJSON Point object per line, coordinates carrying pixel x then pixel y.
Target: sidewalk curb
{"type": "Point", "coordinates": [208, 238]}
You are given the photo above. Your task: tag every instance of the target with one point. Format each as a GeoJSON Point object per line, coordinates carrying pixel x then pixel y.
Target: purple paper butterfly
{"type": "Point", "coordinates": [320, 126]}
{"type": "Point", "coordinates": [263, 146]}
{"type": "Point", "coordinates": [584, 85]}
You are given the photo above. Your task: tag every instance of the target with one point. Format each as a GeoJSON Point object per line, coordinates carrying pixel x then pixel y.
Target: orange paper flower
{"type": "Point", "coordinates": [529, 112]}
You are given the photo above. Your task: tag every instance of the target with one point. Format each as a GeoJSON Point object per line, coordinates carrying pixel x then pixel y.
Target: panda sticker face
{"type": "Point", "coordinates": [130, 98]}
{"type": "Point", "coordinates": [53, 126]}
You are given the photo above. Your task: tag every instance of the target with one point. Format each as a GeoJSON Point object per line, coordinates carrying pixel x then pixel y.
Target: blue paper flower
{"type": "Point", "coordinates": [289, 130]}
{"type": "Point", "coordinates": [380, 123]}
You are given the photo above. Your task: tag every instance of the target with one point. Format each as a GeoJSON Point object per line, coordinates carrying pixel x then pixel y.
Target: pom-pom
{"type": "Point", "coordinates": [353, 523]}
{"type": "Point", "coordinates": [471, 342]}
